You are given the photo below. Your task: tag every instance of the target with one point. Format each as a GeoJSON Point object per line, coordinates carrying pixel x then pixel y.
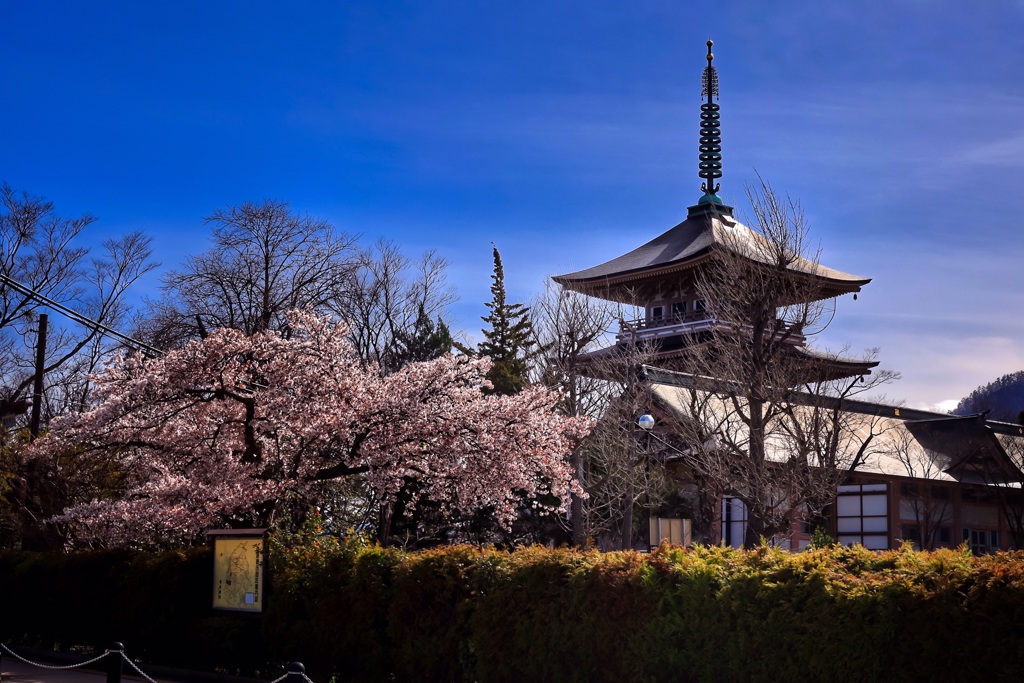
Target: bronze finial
{"type": "Point", "coordinates": [710, 134]}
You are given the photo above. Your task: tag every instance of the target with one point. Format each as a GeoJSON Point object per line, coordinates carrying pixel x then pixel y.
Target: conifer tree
{"type": "Point", "coordinates": [510, 340]}
{"type": "Point", "coordinates": [426, 340]}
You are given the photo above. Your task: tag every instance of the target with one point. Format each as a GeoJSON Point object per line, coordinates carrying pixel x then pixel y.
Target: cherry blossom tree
{"type": "Point", "coordinates": [219, 430]}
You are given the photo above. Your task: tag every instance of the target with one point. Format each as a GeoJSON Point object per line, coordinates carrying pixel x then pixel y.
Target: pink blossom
{"type": "Point", "coordinates": [226, 425]}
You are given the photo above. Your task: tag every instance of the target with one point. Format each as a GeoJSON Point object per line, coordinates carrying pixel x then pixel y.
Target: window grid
{"type": "Point", "coordinates": [734, 521]}
{"type": "Point", "coordinates": [862, 515]}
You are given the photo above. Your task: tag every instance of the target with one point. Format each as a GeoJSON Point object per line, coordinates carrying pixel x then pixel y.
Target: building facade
{"type": "Point", "coordinates": [764, 433]}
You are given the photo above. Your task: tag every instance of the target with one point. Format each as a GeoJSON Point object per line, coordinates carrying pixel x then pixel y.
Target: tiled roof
{"type": "Point", "coordinates": [680, 246]}
{"type": "Point", "coordinates": [895, 446]}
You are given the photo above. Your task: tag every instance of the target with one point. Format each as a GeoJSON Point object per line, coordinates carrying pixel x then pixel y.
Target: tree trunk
{"type": "Point", "coordinates": [576, 503]}
{"type": "Point", "coordinates": [384, 523]}
{"type": "Point", "coordinates": [756, 526]}
{"type": "Point", "coordinates": [627, 519]}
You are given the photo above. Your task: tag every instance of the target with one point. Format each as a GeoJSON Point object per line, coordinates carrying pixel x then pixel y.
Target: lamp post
{"type": "Point", "coordinates": [646, 423]}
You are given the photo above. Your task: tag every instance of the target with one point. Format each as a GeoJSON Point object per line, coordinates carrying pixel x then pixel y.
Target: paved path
{"type": "Point", "coordinates": [18, 672]}
{"type": "Point", "coordinates": [13, 670]}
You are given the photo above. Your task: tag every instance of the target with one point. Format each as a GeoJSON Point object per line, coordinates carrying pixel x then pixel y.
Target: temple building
{"type": "Point", "coordinates": [896, 474]}
{"type": "Point", "coordinates": [662, 276]}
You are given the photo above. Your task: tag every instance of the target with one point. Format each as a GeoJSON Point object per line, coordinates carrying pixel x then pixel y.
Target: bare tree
{"type": "Point", "coordinates": [570, 327]}
{"type": "Point", "coordinates": [386, 295]}
{"type": "Point", "coordinates": [614, 464]}
{"type": "Point", "coordinates": [385, 303]}
{"type": "Point", "coordinates": [40, 263]}
{"type": "Point", "coordinates": [931, 510]}
{"type": "Point", "coordinates": [1011, 489]}
{"type": "Point", "coordinates": [43, 268]}
{"type": "Point", "coordinates": [771, 428]}
{"type": "Point", "coordinates": [265, 261]}
{"type": "Point", "coordinates": [624, 469]}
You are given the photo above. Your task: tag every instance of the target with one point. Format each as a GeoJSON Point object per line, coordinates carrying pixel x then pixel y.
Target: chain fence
{"type": "Point", "coordinates": [14, 654]}
{"type": "Point", "coordinates": [296, 672]}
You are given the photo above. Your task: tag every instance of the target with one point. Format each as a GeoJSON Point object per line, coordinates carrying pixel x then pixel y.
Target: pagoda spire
{"type": "Point", "coordinates": [710, 135]}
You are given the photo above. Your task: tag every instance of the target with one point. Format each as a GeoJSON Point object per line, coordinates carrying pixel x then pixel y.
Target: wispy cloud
{"type": "Point", "coordinates": [1008, 152]}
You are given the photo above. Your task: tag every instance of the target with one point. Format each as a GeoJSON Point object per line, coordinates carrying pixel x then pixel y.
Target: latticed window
{"type": "Point", "coordinates": [734, 521]}
{"type": "Point", "coordinates": [862, 515]}
{"type": "Point", "coordinates": [982, 541]}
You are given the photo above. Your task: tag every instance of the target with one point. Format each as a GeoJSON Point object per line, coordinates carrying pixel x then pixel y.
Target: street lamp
{"type": "Point", "coordinates": [675, 530]}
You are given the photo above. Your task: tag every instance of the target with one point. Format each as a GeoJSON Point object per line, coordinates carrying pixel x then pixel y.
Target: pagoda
{"type": "Point", "coordinates": [662, 275]}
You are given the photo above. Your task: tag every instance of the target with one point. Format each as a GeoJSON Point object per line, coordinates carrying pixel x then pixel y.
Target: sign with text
{"type": "Point", "coordinates": [238, 569]}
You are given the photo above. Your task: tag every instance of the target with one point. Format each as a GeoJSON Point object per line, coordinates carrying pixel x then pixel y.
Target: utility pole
{"type": "Point", "coordinates": [37, 394]}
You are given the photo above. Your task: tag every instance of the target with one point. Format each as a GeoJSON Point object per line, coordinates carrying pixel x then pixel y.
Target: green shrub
{"type": "Point", "coordinates": [359, 612]}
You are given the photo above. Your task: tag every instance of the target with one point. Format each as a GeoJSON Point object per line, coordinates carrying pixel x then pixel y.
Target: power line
{"type": "Point", "coordinates": [81, 319]}
{"type": "Point", "coordinates": [150, 351]}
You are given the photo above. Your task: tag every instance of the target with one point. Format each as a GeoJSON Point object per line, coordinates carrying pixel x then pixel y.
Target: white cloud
{"type": "Point", "coordinates": [941, 407]}
{"type": "Point", "coordinates": [1008, 151]}
{"type": "Point", "coordinates": [934, 367]}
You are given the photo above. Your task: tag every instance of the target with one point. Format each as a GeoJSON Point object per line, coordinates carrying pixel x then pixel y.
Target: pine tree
{"type": "Point", "coordinates": [1002, 399]}
{"type": "Point", "coordinates": [426, 340]}
{"type": "Point", "coordinates": [510, 340]}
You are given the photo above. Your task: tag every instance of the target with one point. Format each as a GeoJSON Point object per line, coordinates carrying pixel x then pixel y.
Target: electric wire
{"type": "Point", "coordinates": [74, 315]}
{"type": "Point", "coordinates": [81, 319]}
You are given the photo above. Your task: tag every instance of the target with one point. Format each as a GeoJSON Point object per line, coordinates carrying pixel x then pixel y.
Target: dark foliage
{"type": "Point", "coordinates": [426, 341]}
{"type": "Point", "coordinates": [464, 614]}
{"type": "Point", "coordinates": [1003, 399]}
{"type": "Point", "coordinates": [509, 340]}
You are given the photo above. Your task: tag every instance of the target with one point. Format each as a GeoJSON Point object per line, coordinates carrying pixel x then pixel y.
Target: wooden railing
{"type": "Point", "coordinates": [668, 325]}
{"type": "Point", "coordinates": [665, 320]}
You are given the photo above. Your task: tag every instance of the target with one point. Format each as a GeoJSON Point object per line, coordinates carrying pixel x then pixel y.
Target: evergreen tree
{"type": "Point", "coordinates": [510, 340]}
{"type": "Point", "coordinates": [1001, 400]}
{"type": "Point", "coordinates": [426, 340]}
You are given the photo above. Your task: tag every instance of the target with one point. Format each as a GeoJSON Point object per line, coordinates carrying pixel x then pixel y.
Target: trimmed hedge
{"type": "Point", "coordinates": [465, 614]}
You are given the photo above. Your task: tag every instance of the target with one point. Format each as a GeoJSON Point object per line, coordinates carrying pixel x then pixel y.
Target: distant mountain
{"type": "Point", "coordinates": [1003, 398]}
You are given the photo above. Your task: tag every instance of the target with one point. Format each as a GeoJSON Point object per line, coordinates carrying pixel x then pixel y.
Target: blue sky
{"type": "Point", "coordinates": [564, 132]}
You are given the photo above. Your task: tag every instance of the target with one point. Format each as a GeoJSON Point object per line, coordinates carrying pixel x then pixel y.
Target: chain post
{"type": "Point", "coordinates": [296, 673]}
{"type": "Point", "coordinates": [115, 662]}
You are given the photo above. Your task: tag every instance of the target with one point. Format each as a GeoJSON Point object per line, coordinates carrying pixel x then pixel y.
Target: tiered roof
{"type": "Point", "coordinates": [665, 267]}
{"type": "Point", "coordinates": [685, 247]}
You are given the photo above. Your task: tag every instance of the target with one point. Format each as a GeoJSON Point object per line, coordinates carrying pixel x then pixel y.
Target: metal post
{"type": "Point", "coordinates": [296, 673]}
{"type": "Point", "coordinates": [37, 395]}
{"type": "Point", "coordinates": [115, 660]}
